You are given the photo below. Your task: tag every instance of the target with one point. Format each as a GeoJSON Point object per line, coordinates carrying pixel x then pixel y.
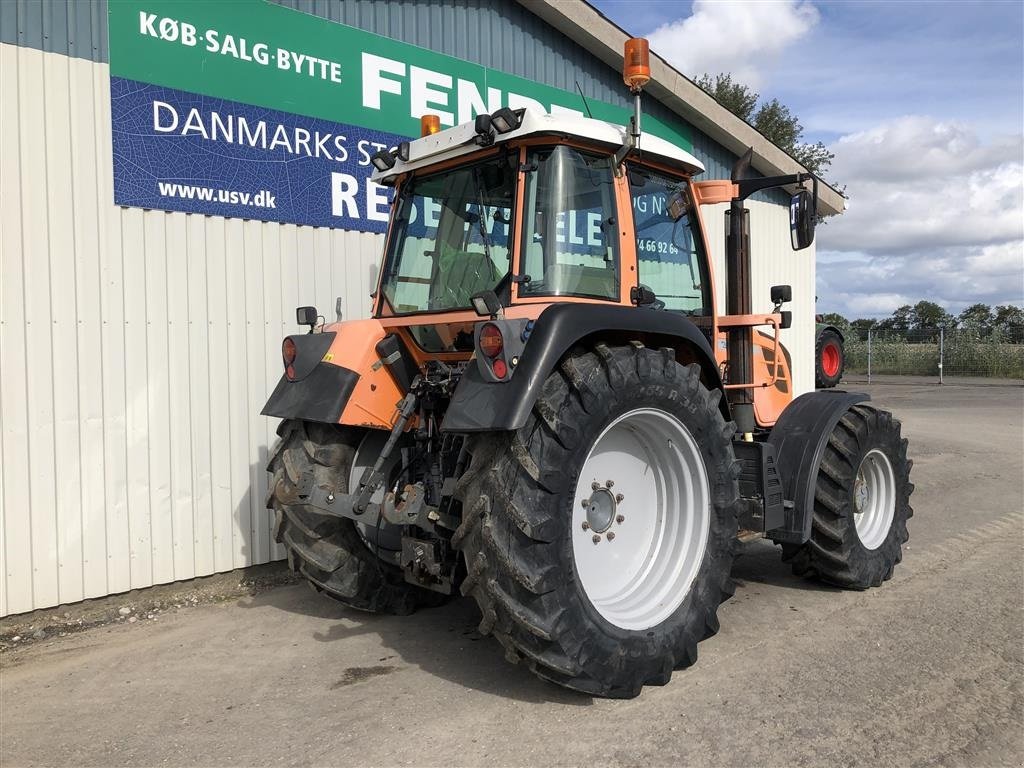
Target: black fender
{"type": "Point", "coordinates": [822, 328]}
{"type": "Point", "coordinates": [319, 390]}
{"type": "Point", "coordinates": [482, 406]}
{"type": "Point", "coordinates": [800, 436]}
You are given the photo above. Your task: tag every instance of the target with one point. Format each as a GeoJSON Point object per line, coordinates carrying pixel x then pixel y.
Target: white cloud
{"type": "Point", "coordinates": [743, 38]}
{"type": "Point", "coordinates": [915, 146]}
{"type": "Point", "coordinates": [934, 213]}
{"type": "Point", "coordinates": [857, 285]}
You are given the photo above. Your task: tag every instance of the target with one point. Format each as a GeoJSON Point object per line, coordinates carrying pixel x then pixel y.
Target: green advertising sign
{"type": "Point", "coordinates": [259, 53]}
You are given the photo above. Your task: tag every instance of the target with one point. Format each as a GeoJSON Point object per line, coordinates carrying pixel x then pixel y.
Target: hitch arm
{"type": "Point", "coordinates": [373, 477]}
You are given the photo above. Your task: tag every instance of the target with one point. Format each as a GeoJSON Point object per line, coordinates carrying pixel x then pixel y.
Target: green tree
{"type": "Point", "coordinates": [929, 315]}
{"type": "Point", "coordinates": [1009, 320]}
{"type": "Point", "coordinates": [901, 319]}
{"type": "Point", "coordinates": [735, 97]}
{"type": "Point", "coordinates": [861, 326]}
{"type": "Point", "coordinates": [977, 318]}
{"type": "Point", "coordinates": [772, 118]}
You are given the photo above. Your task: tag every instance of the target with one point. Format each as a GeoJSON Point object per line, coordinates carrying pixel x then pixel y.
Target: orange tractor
{"type": "Point", "coordinates": [551, 411]}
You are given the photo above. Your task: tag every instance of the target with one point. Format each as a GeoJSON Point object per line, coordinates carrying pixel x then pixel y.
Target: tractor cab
{"type": "Point", "coordinates": [539, 213]}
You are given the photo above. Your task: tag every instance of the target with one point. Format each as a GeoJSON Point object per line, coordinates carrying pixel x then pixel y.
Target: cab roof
{"type": "Point", "coordinates": [461, 140]}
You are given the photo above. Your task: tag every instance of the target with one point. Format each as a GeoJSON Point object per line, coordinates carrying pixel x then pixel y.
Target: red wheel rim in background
{"type": "Point", "coordinates": [830, 359]}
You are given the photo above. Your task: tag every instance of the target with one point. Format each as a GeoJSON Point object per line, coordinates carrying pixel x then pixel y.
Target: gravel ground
{"type": "Point", "coordinates": [927, 670]}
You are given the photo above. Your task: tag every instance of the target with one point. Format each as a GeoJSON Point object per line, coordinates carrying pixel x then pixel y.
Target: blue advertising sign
{"type": "Point", "coordinates": [181, 151]}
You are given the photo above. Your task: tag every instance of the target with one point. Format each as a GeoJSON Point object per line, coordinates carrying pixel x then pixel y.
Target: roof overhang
{"type": "Point", "coordinates": [585, 25]}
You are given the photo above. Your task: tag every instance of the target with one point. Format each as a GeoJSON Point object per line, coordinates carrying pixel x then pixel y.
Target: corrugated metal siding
{"type": "Point", "coordinates": [72, 27]}
{"type": "Point", "coordinates": [137, 349]}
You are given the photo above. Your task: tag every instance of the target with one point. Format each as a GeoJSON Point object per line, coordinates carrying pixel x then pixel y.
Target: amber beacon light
{"type": "Point", "coordinates": [430, 124]}
{"type": "Point", "coordinates": [636, 63]}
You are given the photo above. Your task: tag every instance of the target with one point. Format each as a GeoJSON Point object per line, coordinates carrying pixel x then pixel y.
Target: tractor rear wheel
{"type": "Point", "coordinates": [598, 539]}
{"type": "Point", "coordinates": [861, 503]}
{"type": "Point", "coordinates": [829, 359]}
{"type": "Point", "coordinates": [355, 564]}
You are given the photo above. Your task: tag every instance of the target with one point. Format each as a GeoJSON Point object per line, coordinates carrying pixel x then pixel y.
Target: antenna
{"type": "Point", "coordinates": [585, 105]}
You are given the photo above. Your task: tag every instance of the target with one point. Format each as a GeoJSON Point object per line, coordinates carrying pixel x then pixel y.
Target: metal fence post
{"type": "Point", "coordinates": [942, 350]}
{"type": "Point", "coordinates": [869, 355]}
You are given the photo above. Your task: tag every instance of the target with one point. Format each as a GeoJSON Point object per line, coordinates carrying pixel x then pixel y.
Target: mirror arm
{"type": "Point", "coordinates": [747, 187]}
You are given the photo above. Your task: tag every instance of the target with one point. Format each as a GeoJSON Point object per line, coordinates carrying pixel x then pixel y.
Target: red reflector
{"type": "Point", "coordinates": [288, 352]}
{"type": "Point", "coordinates": [491, 341]}
{"type": "Point", "coordinates": [499, 368]}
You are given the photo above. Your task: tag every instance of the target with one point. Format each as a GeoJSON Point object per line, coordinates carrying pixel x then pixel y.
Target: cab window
{"type": "Point", "coordinates": [670, 255]}
{"type": "Point", "coordinates": [570, 238]}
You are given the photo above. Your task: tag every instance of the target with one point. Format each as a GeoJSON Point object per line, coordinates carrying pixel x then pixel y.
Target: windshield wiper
{"type": "Point", "coordinates": [483, 213]}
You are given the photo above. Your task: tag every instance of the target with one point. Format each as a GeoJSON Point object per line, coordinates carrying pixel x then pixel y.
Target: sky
{"type": "Point", "coordinates": [922, 104]}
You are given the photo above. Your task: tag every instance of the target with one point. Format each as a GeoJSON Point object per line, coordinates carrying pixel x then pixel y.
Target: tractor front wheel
{"type": "Point", "coordinates": [598, 538]}
{"type": "Point", "coordinates": [861, 503]}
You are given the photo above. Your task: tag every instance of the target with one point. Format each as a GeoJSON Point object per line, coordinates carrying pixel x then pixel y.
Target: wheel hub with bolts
{"type": "Point", "coordinates": [874, 498]}
{"type": "Point", "coordinates": [602, 510]}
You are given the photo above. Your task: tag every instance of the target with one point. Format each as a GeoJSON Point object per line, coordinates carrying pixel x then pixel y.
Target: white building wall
{"type": "Point", "coordinates": [138, 347]}
{"type": "Point", "coordinates": [136, 351]}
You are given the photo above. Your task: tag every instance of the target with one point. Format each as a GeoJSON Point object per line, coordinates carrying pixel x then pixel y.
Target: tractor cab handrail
{"type": "Point", "coordinates": [751, 321]}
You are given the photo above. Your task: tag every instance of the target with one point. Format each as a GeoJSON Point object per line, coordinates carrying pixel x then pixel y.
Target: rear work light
{"type": "Point", "coordinates": [288, 353]}
{"type": "Point", "coordinates": [491, 342]}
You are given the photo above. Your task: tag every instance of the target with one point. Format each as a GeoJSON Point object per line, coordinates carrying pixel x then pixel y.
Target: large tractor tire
{"type": "Point", "coordinates": [829, 359]}
{"type": "Point", "coordinates": [355, 564]}
{"type": "Point", "coordinates": [598, 538]}
{"type": "Point", "coordinates": [861, 503]}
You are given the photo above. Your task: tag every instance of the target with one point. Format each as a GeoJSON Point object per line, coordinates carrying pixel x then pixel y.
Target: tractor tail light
{"type": "Point", "coordinates": [500, 368]}
{"type": "Point", "coordinates": [288, 353]}
{"type": "Point", "coordinates": [491, 342]}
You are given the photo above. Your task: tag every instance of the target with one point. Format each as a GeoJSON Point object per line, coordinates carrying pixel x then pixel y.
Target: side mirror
{"type": "Point", "coordinates": [782, 294]}
{"type": "Point", "coordinates": [802, 217]}
{"type": "Point", "coordinates": [307, 316]}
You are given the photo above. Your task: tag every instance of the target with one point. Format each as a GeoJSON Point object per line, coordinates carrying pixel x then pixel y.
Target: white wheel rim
{"type": "Point", "coordinates": [385, 540]}
{"type": "Point", "coordinates": [874, 498]}
{"type": "Point", "coordinates": [649, 548]}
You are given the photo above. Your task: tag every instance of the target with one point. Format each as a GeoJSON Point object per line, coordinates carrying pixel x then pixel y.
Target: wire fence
{"type": "Point", "coordinates": [939, 352]}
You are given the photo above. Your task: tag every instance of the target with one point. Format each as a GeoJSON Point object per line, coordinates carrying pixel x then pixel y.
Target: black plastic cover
{"type": "Point", "coordinates": [398, 360]}
{"type": "Point", "coordinates": [799, 437]}
{"type": "Point", "coordinates": [761, 483]}
{"type": "Point", "coordinates": [310, 349]}
{"type": "Point", "coordinates": [482, 406]}
{"type": "Point", "coordinates": [320, 396]}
